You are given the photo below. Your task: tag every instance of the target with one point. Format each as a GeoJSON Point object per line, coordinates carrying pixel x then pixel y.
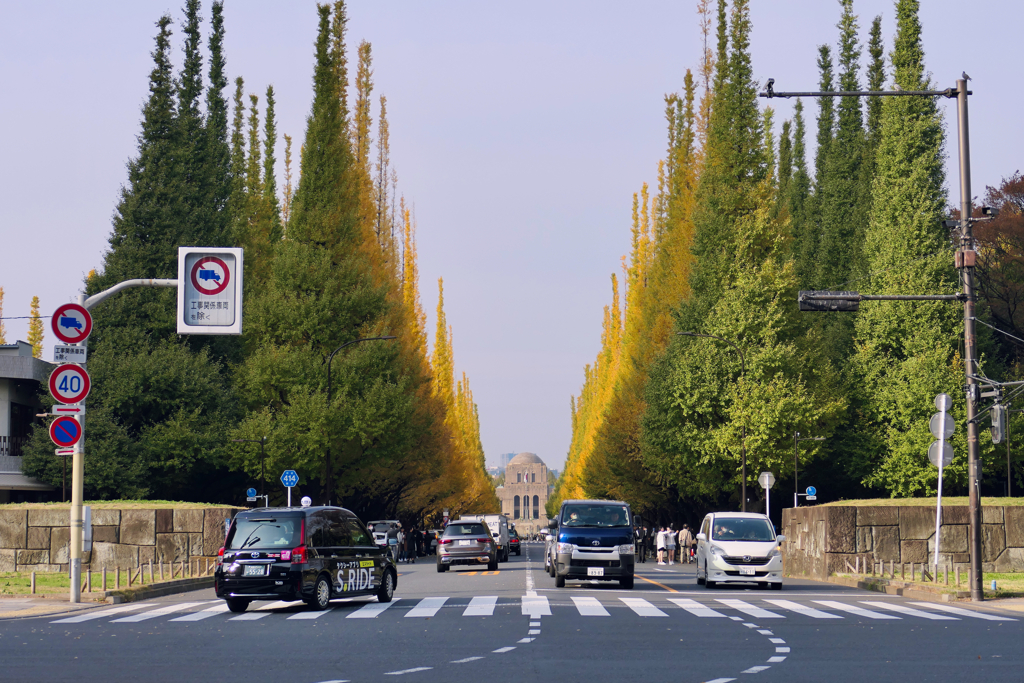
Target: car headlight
{"type": "Point", "coordinates": [775, 552]}
{"type": "Point", "coordinates": [564, 548]}
{"type": "Point", "coordinates": [628, 549]}
{"type": "Point", "coordinates": [716, 551]}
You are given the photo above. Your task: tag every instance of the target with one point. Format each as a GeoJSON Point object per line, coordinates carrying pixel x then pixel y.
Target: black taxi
{"type": "Point", "coordinates": [311, 554]}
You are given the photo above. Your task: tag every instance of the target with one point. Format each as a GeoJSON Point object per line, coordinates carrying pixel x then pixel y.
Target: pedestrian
{"type": "Point", "coordinates": [670, 544]}
{"type": "Point", "coordinates": [661, 544]}
{"type": "Point", "coordinates": [685, 541]}
{"type": "Point", "coordinates": [401, 545]}
{"type": "Point", "coordinates": [639, 532]}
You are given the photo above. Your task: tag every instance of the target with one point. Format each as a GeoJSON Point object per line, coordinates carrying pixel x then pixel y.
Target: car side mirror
{"type": "Point", "coordinates": [780, 538]}
{"type": "Point", "coordinates": [702, 537]}
{"type": "Point", "coordinates": [552, 523]}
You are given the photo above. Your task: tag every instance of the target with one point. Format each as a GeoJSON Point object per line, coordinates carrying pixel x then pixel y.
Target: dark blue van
{"type": "Point", "coordinates": [593, 542]}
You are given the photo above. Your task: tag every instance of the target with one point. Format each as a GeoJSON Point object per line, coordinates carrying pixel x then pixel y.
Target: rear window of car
{"type": "Point", "coordinates": [741, 529]}
{"type": "Point", "coordinates": [474, 529]}
{"type": "Point", "coordinates": [264, 532]}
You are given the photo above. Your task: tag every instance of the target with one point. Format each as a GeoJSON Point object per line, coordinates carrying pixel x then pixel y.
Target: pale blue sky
{"type": "Point", "coordinates": [519, 132]}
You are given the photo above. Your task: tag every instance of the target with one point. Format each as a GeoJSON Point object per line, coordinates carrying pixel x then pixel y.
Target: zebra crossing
{"type": "Point", "coordinates": [536, 606]}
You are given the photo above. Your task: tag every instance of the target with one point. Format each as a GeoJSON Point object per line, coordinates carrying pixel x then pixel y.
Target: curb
{"type": "Point", "coordinates": [900, 588]}
{"type": "Point", "coordinates": [117, 597]}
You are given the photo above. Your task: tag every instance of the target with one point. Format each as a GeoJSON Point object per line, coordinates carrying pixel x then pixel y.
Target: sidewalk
{"type": "Point", "coordinates": [16, 606]}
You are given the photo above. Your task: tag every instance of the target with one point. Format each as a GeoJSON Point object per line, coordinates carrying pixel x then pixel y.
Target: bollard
{"type": "Point", "coordinates": [129, 570]}
{"type": "Point", "coordinates": [857, 564]}
{"type": "Point", "coordinates": [104, 577]}
{"type": "Point", "coordinates": [892, 569]}
{"type": "Point", "coordinates": [117, 577]}
{"type": "Point", "coordinates": [161, 568]}
{"type": "Point", "coordinates": [33, 589]}
{"type": "Point", "coordinates": [206, 568]}
{"type": "Point", "coordinates": [956, 571]}
{"type": "Point", "coordinates": [88, 580]}
{"type": "Point", "coordinates": [151, 571]}
{"type": "Point", "coordinates": [911, 571]}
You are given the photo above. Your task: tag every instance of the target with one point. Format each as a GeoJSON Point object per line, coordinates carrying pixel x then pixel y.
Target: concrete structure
{"type": "Point", "coordinates": [525, 493]}
{"type": "Point", "coordinates": [826, 540]}
{"type": "Point", "coordinates": [20, 377]}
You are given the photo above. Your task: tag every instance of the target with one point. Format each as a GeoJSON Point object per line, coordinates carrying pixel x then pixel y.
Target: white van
{"type": "Point", "coordinates": [739, 547]}
{"type": "Point", "coordinates": [498, 525]}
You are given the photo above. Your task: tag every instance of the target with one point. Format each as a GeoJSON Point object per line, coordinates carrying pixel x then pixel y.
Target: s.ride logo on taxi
{"type": "Point", "coordinates": [358, 579]}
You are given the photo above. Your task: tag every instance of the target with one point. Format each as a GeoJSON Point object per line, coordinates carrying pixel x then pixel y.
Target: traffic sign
{"type": "Point", "coordinates": [289, 478]}
{"type": "Point", "coordinates": [65, 431]}
{"type": "Point", "coordinates": [947, 453]}
{"type": "Point", "coordinates": [943, 403]}
{"type": "Point", "coordinates": [71, 323]}
{"type": "Point", "coordinates": [69, 384]}
{"type": "Point", "coordinates": [251, 499]}
{"type": "Point", "coordinates": [811, 491]}
{"type": "Point", "coordinates": [251, 493]}
{"type": "Point", "coordinates": [766, 480]}
{"type": "Point", "coordinates": [811, 497]}
{"type": "Point", "coordinates": [942, 425]}
{"type": "Point", "coordinates": [74, 410]}
{"type": "Point", "coordinates": [209, 290]}
{"type": "Point", "coordinates": [69, 354]}
{"type": "Point", "coordinates": [64, 452]}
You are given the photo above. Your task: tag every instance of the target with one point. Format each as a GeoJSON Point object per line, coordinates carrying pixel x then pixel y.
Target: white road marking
{"type": "Point", "coordinates": [750, 625]}
{"type": "Point", "coordinates": [311, 614]}
{"type": "Point", "coordinates": [534, 624]}
{"type": "Point", "coordinates": [371, 609]}
{"type": "Point", "coordinates": [525, 640]}
{"type": "Point", "coordinates": [776, 660]}
{"type": "Point", "coordinates": [533, 632]}
{"type": "Point", "coordinates": [782, 649]}
{"type": "Point", "coordinates": [102, 613]}
{"type": "Point", "coordinates": [408, 671]}
{"type": "Point", "coordinates": [250, 616]}
{"type": "Point", "coordinates": [963, 612]}
{"type": "Point", "coordinates": [747, 608]}
{"type": "Point", "coordinates": [755, 669]}
{"type": "Point", "coordinates": [536, 606]}
{"type": "Point", "coordinates": [903, 609]}
{"type": "Point", "coordinates": [777, 641]}
{"type": "Point", "coordinates": [765, 632]}
{"type": "Point", "coordinates": [427, 607]}
{"type": "Point", "coordinates": [204, 614]}
{"type": "Point", "coordinates": [467, 659]}
{"type": "Point", "coordinates": [642, 607]}
{"type": "Point", "coordinates": [152, 614]}
{"type": "Point", "coordinates": [501, 650]}
{"type": "Point", "coordinates": [695, 608]}
{"type": "Point", "coordinates": [736, 618]}
{"type": "Point", "coordinates": [275, 605]}
{"type": "Point", "coordinates": [722, 680]}
{"type": "Point", "coordinates": [481, 606]}
{"type": "Point", "coordinates": [589, 607]}
{"type": "Point", "coordinates": [803, 609]}
{"type": "Point", "coordinates": [852, 609]}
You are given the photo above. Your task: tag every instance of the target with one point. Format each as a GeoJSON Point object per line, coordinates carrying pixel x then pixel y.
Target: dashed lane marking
{"type": "Point", "coordinates": [408, 671]}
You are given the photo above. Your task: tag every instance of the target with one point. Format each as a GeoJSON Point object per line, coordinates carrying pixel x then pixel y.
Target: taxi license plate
{"type": "Point", "coordinates": [746, 571]}
{"type": "Point", "coordinates": [254, 570]}
{"type": "Point", "coordinates": [595, 571]}
{"type": "Point", "coordinates": [464, 542]}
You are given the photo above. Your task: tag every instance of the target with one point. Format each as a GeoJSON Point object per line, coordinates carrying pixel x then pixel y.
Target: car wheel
{"type": "Point", "coordinates": [518, 552]}
{"type": "Point", "coordinates": [777, 586]}
{"type": "Point", "coordinates": [626, 582]}
{"type": "Point", "coordinates": [440, 568]}
{"type": "Point", "coordinates": [237, 604]}
{"type": "Point", "coordinates": [321, 593]}
{"type": "Point", "coordinates": [387, 587]}
{"type": "Point", "coordinates": [701, 579]}
{"type": "Point", "coordinates": [492, 566]}
{"type": "Point", "coordinates": [559, 581]}
{"type": "Point", "coordinates": [709, 584]}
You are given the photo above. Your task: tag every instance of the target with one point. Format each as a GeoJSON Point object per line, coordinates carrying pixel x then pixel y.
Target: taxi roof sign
{"type": "Point", "coordinates": [209, 290]}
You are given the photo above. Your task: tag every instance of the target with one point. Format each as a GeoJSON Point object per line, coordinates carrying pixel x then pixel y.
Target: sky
{"type": "Point", "coordinates": [519, 132]}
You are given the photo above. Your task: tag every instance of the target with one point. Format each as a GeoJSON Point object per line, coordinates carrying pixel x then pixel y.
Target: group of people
{"type": "Point", "coordinates": [409, 544]}
{"type": "Point", "coordinates": [666, 541]}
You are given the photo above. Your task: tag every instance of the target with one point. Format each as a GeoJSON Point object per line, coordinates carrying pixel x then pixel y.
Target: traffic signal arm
{"type": "Point", "coordinates": [824, 300]}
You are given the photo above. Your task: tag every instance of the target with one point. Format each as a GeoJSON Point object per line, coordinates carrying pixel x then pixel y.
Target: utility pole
{"type": "Point", "coordinates": [965, 261]}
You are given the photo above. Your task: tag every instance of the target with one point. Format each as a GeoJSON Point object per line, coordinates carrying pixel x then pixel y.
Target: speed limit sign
{"type": "Point", "coordinates": [69, 384]}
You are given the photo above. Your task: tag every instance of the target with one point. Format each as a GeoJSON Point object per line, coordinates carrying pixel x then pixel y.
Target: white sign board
{"type": "Point", "coordinates": [69, 354]}
{"type": "Point", "coordinates": [209, 290]}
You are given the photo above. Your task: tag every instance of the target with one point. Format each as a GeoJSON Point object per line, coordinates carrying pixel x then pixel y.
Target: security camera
{"type": "Point", "coordinates": [990, 211]}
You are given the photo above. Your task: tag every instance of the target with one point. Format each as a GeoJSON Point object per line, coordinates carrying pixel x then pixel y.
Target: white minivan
{"type": "Point", "coordinates": [739, 547]}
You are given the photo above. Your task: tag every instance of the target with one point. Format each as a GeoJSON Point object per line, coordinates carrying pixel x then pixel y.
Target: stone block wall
{"type": "Point", "coordinates": [821, 540]}
{"type": "Point", "coordinates": [39, 539]}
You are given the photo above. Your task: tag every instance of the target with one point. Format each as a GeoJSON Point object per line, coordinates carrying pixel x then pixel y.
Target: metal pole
{"type": "Point", "coordinates": [1009, 485]}
{"type": "Point", "coordinates": [970, 349]}
{"type": "Point", "coordinates": [77, 530]}
{"type": "Point", "coordinates": [796, 480]}
{"type": "Point", "coordinates": [263, 469]}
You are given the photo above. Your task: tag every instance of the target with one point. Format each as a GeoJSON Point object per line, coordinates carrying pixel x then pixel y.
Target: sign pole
{"type": "Point", "coordinates": [77, 480]}
{"type": "Point", "coordinates": [289, 496]}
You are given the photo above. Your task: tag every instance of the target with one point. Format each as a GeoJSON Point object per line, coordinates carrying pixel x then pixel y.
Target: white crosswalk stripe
{"type": "Point", "coordinates": [204, 614]}
{"type": "Point", "coordinates": [853, 609]}
{"type": "Point", "coordinates": [695, 608]}
{"type": "Point", "coordinates": [642, 607]}
{"type": "Point", "coordinates": [803, 609]}
{"type": "Point", "coordinates": [536, 606]}
{"type": "Point", "coordinates": [89, 616]}
{"type": "Point", "coordinates": [481, 606]}
{"type": "Point", "coordinates": [311, 614]}
{"type": "Point", "coordinates": [902, 609]}
{"type": "Point", "coordinates": [427, 607]}
{"type": "Point", "coordinates": [370, 610]}
{"type": "Point", "coordinates": [963, 612]}
{"type": "Point", "coordinates": [589, 607]}
{"type": "Point", "coordinates": [160, 612]}
{"type": "Point", "coordinates": [747, 608]}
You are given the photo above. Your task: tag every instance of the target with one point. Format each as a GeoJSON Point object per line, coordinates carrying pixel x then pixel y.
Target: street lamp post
{"type": "Point", "coordinates": [743, 371]}
{"type": "Point", "coordinates": [262, 441]}
{"type": "Point", "coordinates": [796, 480]}
{"type": "Point", "coordinates": [330, 359]}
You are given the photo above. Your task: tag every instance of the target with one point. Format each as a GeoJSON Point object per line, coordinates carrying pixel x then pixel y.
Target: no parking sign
{"type": "Point", "coordinates": [65, 431]}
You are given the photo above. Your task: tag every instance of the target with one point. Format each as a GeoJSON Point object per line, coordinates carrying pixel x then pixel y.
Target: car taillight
{"type": "Point", "coordinates": [483, 540]}
{"type": "Point", "coordinates": [220, 556]}
{"type": "Point", "coordinates": [297, 555]}
{"type": "Point", "coordinates": [445, 541]}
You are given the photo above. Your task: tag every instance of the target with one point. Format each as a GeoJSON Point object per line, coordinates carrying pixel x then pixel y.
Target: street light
{"type": "Point", "coordinates": [262, 441]}
{"type": "Point", "coordinates": [796, 480]}
{"type": "Point", "coordinates": [330, 359]}
{"type": "Point", "coordinates": [743, 368]}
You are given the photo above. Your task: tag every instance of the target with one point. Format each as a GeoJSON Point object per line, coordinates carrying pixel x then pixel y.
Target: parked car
{"type": "Point", "coordinates": [594, 541]}
{"type": "Point", "coordinates": [466, 542]}
{"type": "Point", "coordinates": [314, 554]}
{"type": "Point", "coordinates": [739, 547]}
{"type": "Point", "coordinates": [499, 527]}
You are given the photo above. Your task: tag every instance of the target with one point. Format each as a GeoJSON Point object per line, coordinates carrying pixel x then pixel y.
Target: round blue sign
{"type": "Point", "coordinates": [250, 493]}
{"type": "Point", "coordinates": [811, 491]}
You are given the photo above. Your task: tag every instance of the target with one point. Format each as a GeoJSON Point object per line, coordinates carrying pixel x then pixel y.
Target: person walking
{"type": "Point", "coordinates": [638, 538]}
{"type": "Point", "coordinates": [661, 544]}
{"type": "Point", "coordinates": [685, 541]}
{"type": "Point", "coordinates": [670, 544]}
{"type": "Point", "coordinates": [401, 545]}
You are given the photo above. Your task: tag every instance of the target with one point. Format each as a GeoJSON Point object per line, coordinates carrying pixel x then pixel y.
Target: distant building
{"type": "Point", "coordinates": [525, 493]}
{"type": "Point", "coordinates": [20, 377]}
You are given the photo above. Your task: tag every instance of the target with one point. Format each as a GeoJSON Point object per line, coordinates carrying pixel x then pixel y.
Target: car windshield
{"type": "Point", "coordinates": [741, 529]}
{"type": "Point", "coordinates": [595, 515]}
{"type": "Point", "coordinates": [473, 529]}
{"type": "Point", "coordinates": [379, 527]}
{"type": "Point", "coordinates": [264, 532]}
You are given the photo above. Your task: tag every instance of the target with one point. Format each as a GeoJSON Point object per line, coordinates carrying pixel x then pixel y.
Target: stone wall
{"type": "Point", "coordinates": [821, 540]}
{"type": "Point", "coordinates": [39, 539]}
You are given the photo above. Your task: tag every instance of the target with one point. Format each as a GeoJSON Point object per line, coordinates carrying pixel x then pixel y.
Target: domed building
{"type": "Point", "coordinates": [525, 493]}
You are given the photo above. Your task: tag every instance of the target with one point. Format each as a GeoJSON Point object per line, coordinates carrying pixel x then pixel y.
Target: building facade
{"type": "Point", "coordinates": [20, 377]}
{"type": "Point", "coordinates": [525, 493]}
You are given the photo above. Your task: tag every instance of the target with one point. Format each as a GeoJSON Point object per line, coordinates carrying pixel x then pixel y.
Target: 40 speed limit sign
{"type": "Point", "coordinates": [69, 384]}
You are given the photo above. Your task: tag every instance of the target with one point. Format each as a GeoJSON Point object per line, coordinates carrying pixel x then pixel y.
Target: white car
{"type": "Point", "coordinates": [739, 547]}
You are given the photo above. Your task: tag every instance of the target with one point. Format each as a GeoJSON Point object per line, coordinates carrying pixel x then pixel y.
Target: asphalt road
{"type": "Point", "coordinates": [514, 625]}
